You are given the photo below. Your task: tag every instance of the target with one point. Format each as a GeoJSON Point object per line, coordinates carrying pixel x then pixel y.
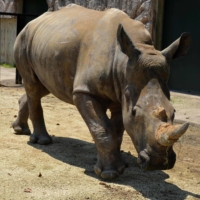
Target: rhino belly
{"type": "Point", "coordinates": [57, 75]}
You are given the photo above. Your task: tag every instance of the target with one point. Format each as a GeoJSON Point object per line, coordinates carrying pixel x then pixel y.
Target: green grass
{"type": "Point", "coordinates": [176, 99]}
{"type": "Point", "coordinates": [7, 65]}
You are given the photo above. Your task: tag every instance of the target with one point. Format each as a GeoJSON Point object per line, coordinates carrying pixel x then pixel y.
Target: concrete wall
{"type": "Point", "coordinates": [8, 29]}
{"type": "Point", "coordinates": [7, 39]}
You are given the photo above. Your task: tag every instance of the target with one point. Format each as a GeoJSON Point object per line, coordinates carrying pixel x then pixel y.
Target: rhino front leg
{"type": "Point", "coordinates": [20, 125]}
{"type": "Point", "coordinates": [107, 140]}
{"type": "Point", "coordinates": [117, 122]}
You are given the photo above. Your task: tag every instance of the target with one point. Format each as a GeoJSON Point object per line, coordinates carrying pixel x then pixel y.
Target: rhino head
{"type": "Point", "coordinates": [147, 111]}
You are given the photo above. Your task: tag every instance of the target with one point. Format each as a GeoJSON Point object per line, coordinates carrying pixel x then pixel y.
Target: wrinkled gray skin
{"type": "Point", "coordinates": [98, 61]}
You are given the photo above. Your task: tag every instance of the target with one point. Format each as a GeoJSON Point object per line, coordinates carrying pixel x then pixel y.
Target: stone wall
{"type": "Point", "coordinates": [142, 10]}
{"type": "Point", "coordinates": [8, 24]}
{"type": "Point", "coordinates": [8, 34]}
{"type": "Point", "coordinates": [10, 6]}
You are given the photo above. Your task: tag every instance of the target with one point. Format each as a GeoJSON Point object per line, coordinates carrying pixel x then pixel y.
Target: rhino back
{"type": "Point", "coordinates": [71, 50]}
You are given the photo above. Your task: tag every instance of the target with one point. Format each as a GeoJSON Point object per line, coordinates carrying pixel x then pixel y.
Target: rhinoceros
{"type": "Point", "coordinates": [100, 60]}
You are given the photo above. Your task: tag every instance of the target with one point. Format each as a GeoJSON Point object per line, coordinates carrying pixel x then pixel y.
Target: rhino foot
{"type": "Point", "coordinates": [42, 139]}
{"type": "Point", "coordinates": [110, 169]}
{"type": "Point", "coordinates": [21, 129]}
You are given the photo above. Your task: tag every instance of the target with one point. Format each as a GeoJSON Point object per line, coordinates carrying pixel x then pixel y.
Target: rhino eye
{"type": "Point", "coordinates": [173, 115]}
{"type": "Point", "coordinates": [134, 112]}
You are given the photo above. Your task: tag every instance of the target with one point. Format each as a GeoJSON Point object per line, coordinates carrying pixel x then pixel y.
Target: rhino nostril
{"type": "Point", "coordinates": [143, 163]}
{"type": "Point", "coordinates": [143, 159]}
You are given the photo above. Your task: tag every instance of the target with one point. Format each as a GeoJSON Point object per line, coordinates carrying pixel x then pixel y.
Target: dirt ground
{"type": "Point", "coordinates": [64, 169]}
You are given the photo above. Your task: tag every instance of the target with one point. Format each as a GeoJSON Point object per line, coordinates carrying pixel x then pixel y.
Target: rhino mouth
{"type": "Point", "coordinates": [149, 162]}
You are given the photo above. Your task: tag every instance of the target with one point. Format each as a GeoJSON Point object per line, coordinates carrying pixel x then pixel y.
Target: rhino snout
{"type": "Point", "coordinates": [148, 162]}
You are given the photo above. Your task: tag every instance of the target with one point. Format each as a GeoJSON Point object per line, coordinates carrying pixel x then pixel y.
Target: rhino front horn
{"type": "Point", "coordinates": [167, 134]}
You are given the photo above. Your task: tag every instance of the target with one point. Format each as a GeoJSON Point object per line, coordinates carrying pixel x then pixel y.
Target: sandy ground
{"type": "Point", "coordinates": [64, 169]}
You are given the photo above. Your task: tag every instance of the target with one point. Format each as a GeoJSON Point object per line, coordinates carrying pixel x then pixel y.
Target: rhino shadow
{"type": "Point", "coordinates": [82, 154]}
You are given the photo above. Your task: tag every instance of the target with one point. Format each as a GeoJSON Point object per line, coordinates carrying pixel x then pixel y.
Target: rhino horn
{"type": "Point", "coordinates": [160, 113]}
{"type": "Point", "coordinates": [168, 134]}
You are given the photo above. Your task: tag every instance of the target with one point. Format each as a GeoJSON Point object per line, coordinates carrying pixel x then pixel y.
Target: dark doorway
{"type": "Point", "coordinates": [33, 7]}
{"type": "Point", "coordinates": [183, 16]}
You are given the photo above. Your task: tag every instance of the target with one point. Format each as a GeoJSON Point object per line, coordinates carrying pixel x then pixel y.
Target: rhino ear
{"type": "Point", "coordinates": [178, 48]}
{"type": "Point", "coordinates": [125, 43]}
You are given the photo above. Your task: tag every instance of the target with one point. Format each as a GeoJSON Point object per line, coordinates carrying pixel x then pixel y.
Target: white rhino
{"type": "Point", "coordinates": [99, 60]}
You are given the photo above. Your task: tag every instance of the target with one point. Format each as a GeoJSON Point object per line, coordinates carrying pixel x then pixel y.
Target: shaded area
{"type": "Point", "coordinates": [151, 185]}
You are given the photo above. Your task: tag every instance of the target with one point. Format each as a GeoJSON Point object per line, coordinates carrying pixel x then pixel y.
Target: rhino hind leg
{"type": "Point", "coordinates": [34, 95]}
{"type": "Point", "coordinates": [30, 106]}
{"type": "Point", "coordinates": [20, 125]}
{"type": "Point", "coordinates": [110, 163]}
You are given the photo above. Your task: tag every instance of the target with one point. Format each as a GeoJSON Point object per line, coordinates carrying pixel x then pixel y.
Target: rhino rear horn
{"type": "Point", "coordinates": [167, 134]}
{"type": "Point", "coordinates": [160, 113]}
